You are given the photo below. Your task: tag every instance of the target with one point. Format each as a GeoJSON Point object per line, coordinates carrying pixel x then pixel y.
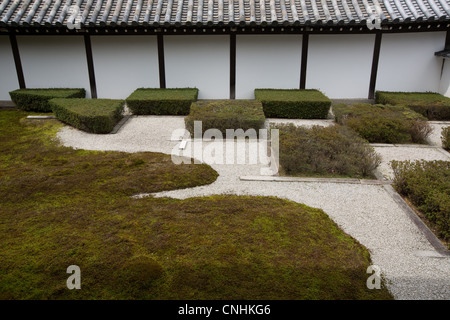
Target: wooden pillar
{"type": "Point", "coordinates": [304, 63]}
{"type": "Point", "coordinates": [161, 63]}
{"type": "Point", "coordinates": [17, 61]}
{"type": "Point", "coordinates": [375, 59]}
{"type": "Point", "coordinates": [90, 65]}
{"type": "Point", "coordinates": [232, 66]}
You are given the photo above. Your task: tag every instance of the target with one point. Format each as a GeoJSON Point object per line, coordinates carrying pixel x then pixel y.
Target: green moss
{"type": "Point", "coordinates": [218, 247]}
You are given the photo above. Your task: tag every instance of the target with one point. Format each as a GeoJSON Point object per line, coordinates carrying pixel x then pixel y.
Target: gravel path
{"type": "Point", "coordinates": [411, 265]}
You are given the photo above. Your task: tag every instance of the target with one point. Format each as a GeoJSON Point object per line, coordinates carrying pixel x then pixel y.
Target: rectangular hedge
{"type": "Point", "coordinates": [38, 99]}
{"type": "Point", "coordinates": [432, 105]}
{"type": "Point", "coordinates": [383, 123]}
{"type": "Point", "coordinates": [226, 114]}
{"type": "Point", "coordinates": [293, 103]}
{"type": "Point", "coordinates": [91, 115]}
{"type": "Point", "coordinates": [149, 101]}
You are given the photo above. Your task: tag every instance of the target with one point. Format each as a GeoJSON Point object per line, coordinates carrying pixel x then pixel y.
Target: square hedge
{"type": "Point", "coordinates": [38, 99]}
{"type": "Point", "coordinates": [226, 114]}
{"type": "Point", "coordinates": [91, 115]}
{"type": "Point", "coordinates": [149, 101]}
{"type": "Point", "coordinates": [293, 103]}
{"type": "Point", "coordinates": [432, 105]}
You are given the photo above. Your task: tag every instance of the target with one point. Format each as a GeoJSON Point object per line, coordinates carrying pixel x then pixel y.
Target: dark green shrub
{"type": "Point", "coordinates": [383, 123]}
{"type": "Point", "coordinates": [226, 114]}
{"type": "Point", "coordinates": [162, 101]}
{"type": "Point", "coordinates": [329, 151]}
{"type": "Point", "coordinates": [432, 105]}
{"type": "Point", "coordinates": [300, 104]}
{"type": "Point", "coordinates": [91, 115]}
{"type": "Point", "coordinates": [37, 99]}
{"type": "Point", "coordinates": [445, 136]}
{"type": "Point", "coordinates": [427, 185]}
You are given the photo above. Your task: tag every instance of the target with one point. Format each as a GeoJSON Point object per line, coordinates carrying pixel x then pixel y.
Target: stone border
{"type": "Point", "coordinates": [316, 180]}
{"type": "Point", "coordinates": [431, 237]}
{"type": "Point", "coordinates": [120, 124]}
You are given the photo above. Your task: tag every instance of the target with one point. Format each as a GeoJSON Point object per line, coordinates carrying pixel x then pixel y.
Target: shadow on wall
{"type": "Point", "coordinates": [444, 84]}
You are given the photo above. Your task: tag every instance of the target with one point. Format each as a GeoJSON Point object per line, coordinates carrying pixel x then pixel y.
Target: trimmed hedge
{"type": "Point", "coordinates": [445, 137]}
{"type": "Point", "coordinates": [226, 114]}
{"type": "Point", "coordinates": [91, 115]}
{"type": "Point", "coordinates": [432, 105]}
{"type": "Point", "coordinates": [293, 103]}
{"type": "Point", "coordinates": [383, 123]}
{"type": "Point", "coordinates": [325, 151]}
{"type": "Point", "coordinates": [148, 101]}
{"type": "Point", "coordinates": [37, 99]}
{"type": "Point", "coordinates": [427, 186]}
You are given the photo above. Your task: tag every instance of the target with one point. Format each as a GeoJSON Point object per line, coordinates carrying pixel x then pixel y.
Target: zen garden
{"type": "Point", "coordinates": [221, 157]}
{"type": "Point", "coordinates": [140, 226]}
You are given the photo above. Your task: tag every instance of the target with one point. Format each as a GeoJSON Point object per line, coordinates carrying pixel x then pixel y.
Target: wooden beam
{"type": "Point", "coordinates": [232, 66]}
{"type": "Point", "coordinates": [17, 61]}
{"type": "Point", "coordinates": [161, 63]}
{"type": "Point", "coordinates": [305, 43]}
{"type": "Point", "coordinates": [90, 65]}
{"type": "Point", "coordinates": [447, 41]}
{"type": "Point", "coordinates": [375, 59]}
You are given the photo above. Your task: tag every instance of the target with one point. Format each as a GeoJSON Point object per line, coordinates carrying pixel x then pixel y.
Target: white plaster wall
{"type": "Point", "coordinates": [124, 63]}
{"type": "Point", "coordinates": [8, 75]}
{"type": "Point", "coordinates": [267, 61]}
{"type": "Point", "coordinates": [54, 62]}
{"type": "Point", "coordinates": [199, 61]}
{"type": "Point", "coordinates": [407, 62]}
{"type": "Point", "coordinates": [340, 65]}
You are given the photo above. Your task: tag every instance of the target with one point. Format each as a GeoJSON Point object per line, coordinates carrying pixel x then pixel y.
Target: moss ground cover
{"type": "Point", "coordinates": [61, 207]}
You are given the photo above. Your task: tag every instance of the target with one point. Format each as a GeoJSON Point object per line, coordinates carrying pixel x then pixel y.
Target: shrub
{"type": "Point", "coordinates": [37, 99]}
{"type": "Point", "coordinates": [301, 104]}
{"type": "Point", "coordinates": [162, 101]}
{"type": "Point", "coordinates": [91, 115]}
{"type": "Point", "coordinates": [445, 136]}
{"type": "Point", "coordinates": [427, 185]}
{"type": "Point", "coordinates": [434, 106]}
{"type": "Point", "coordinates": [226, 114]}
{"type": "Point", "coordinates": [330, 151]}
{"type": "Point", "coordinates": [383, 123]}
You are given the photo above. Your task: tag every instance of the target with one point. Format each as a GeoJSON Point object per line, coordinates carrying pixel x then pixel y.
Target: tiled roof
{"type": "Point", "coordinates": [95, 13]}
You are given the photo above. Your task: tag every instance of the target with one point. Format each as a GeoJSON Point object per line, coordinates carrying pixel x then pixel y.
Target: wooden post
{"type": "Point", "coordinates": [161, 63]}
{"type": "Point", "coordinates": [375, 59]}
{"type": "Point", "coordinates": [305, 43]}
{"type": "Point", "coordinates": [232, 66]}
{"type": "Point", "coordinates": [17, 61]}
{"type": "Point", "coordinates": [90, 65]}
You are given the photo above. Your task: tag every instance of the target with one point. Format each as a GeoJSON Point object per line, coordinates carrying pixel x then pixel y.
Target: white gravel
{"type": "Point", "coordinates": [412, 267]}
{"type": "Point", "coordinates": [434, 138]}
